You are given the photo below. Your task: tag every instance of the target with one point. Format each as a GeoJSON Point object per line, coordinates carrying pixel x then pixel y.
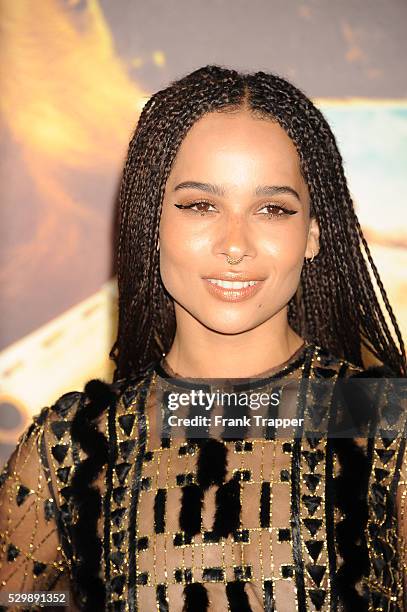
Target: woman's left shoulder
{"type": "Point", "coordinates": [327, 364]}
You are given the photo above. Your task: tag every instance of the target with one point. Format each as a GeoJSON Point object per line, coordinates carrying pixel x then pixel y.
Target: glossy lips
{"type": "Point", "coordinates": [233, 289]}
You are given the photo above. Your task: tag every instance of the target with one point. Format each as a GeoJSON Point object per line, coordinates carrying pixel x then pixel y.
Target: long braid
{"type": "Point", "coordinates": [335, 305]}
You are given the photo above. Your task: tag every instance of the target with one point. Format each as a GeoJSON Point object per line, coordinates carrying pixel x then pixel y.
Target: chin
{"type": "Point", "coordinates": [229, 325]}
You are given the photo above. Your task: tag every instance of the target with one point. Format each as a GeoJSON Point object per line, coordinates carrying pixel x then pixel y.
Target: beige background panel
{"type": "Point", "coordinates": [59, 357]}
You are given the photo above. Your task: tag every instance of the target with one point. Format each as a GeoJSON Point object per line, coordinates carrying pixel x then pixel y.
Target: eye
{"type": "Point", "coordinates": [201, 207]}
{"type": "Point", "coordinates": [276, 210]}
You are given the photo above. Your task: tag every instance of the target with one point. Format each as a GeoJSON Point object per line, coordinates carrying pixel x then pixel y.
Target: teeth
{"type": "Point", "coordinates": [231, 284]}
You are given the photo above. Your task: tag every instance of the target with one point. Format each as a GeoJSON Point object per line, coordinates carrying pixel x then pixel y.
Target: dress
{"type": "Point", "coordinates": [96, 501]}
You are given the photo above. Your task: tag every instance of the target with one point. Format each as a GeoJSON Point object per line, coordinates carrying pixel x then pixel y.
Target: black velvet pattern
{"type": "Point", "coordinates": [191, 507]}
{"type": "Point", "coordinates": [159, 510]}
{"type": "Point", "coordinates": [265, 505]}
{"type": "Point", "coordinates": [195, 598]}
{"type": "Point", "coordinates": [161, 594]}
{"type": "Point", "coordinates": [350, 492]}
{"type": "Point", "coordinates": [228, 508]}
{"type": "Point", "coordinates": [349, 498]}
{"type": "Point", "coordinates": [268, 596]}
{"type": "Point", "coordinates": [237, 597]}
{"type": "Point", "coordinates": [86, 497]}
{"type": "Point", "coordinates": [213, 574]}
{"type": "Point", "coordinates": [211, 470]}
{"type": "Point", "coordinates": [211, 464]}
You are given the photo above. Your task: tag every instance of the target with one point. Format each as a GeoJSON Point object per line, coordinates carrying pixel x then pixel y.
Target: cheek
{"type": "Point", "coordinates": [181, 239]}
{"type": "Point", "coordinates": [183, 253]}
{"type": "Point", "coordinates": [184, 250]}
{"type": "Point", "coordinates": [285, 245]}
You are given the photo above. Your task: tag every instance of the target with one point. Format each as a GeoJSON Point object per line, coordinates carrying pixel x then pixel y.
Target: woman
{"type": "Point", "coordinates": [240, 259]}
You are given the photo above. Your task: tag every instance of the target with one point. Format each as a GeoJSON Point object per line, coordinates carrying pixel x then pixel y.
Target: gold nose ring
{"type": "Point", "coordinates": [233, 260]}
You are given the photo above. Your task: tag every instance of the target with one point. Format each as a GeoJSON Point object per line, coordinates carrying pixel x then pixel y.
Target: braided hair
{"type": "Point", "coordinates": [335, 305]}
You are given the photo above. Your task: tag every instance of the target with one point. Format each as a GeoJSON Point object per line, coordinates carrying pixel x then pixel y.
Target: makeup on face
{"type": "Point", "coordinates": [232, 286]}
{"type": "Point", "coordinates": [235, 191]}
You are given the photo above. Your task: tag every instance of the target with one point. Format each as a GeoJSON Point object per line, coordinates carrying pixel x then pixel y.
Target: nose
{"type": "Point", "coordinates": [234, 239]}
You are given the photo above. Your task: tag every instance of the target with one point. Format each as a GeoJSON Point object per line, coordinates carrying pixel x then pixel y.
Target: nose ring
{"type": "Point", "coordinates": [233, 261]}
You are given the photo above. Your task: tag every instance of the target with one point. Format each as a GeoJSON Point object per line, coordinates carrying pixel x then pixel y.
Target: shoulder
{"type": "Point", "coordinates": [372, 396]}
{"type": "Point", "coordinates": [75, 414]}
{"type": "Point", "coordinates": [83, 415]}
{"type": "Point", "coordinates": [86, 405]}
{"type": "Point", "coordinates": [326, 362]}
{"type": "Point", "coordinates": [70, 416]}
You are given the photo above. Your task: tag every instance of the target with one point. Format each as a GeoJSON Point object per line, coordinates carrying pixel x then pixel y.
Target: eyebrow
{"type": "Point", "coordinates": [266, 190]}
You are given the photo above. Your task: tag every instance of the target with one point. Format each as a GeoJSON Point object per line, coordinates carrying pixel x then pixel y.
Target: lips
{"type": "Point", "coordinates": [232, 290]}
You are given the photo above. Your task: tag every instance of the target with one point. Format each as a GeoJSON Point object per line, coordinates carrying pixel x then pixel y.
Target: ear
{"type": "Point", "coordinates": [313, 239]}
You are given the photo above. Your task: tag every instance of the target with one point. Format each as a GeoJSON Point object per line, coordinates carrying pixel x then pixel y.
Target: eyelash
{"type": "Point", "coordinates": [286, 211]}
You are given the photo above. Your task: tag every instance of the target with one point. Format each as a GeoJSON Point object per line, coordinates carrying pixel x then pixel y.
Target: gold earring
{"type": "Point", "coordinates": [158, 245]}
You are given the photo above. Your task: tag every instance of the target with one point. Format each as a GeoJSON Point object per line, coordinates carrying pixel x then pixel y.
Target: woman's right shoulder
{"type": "Point", "coordinates": [75, 410]}
{"type": "Point", "coordinates": [75, 414]}
{"type": "Point", "coordinates": [65, 409]}
{"type": "Point", "coordinates": [57, 418]}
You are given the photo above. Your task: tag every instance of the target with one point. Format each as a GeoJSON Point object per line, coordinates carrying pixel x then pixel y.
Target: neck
{"type": "Point", "coordinates": [198, 352]}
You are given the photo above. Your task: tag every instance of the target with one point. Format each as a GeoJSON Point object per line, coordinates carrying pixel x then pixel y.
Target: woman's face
{"type": "Point", "coordinates": [240, 177]}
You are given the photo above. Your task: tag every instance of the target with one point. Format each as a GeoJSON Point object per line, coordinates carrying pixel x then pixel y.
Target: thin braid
{"type": "Point", "coordinates": [335, 304]}
{"type": "Point", "coordinates": [383, 294]}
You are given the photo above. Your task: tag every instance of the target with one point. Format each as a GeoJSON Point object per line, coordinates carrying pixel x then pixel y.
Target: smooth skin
{"type": "Point", "coordinates": [238, 153]}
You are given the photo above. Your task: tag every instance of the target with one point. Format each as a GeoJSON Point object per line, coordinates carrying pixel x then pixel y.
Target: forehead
{"type": "Point", "coordinates": [238, 139]}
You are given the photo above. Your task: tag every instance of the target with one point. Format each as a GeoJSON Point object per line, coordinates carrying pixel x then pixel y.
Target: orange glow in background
{"type": "Point", "coordinates": [68, 108]}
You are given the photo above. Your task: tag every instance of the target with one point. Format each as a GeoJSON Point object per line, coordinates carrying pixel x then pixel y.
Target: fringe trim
{"type": "Point", "coordinates": [87, 498]}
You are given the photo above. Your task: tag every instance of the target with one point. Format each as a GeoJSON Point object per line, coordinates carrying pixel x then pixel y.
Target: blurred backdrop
{"type": "Point", "coordinates": [74, 77]}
